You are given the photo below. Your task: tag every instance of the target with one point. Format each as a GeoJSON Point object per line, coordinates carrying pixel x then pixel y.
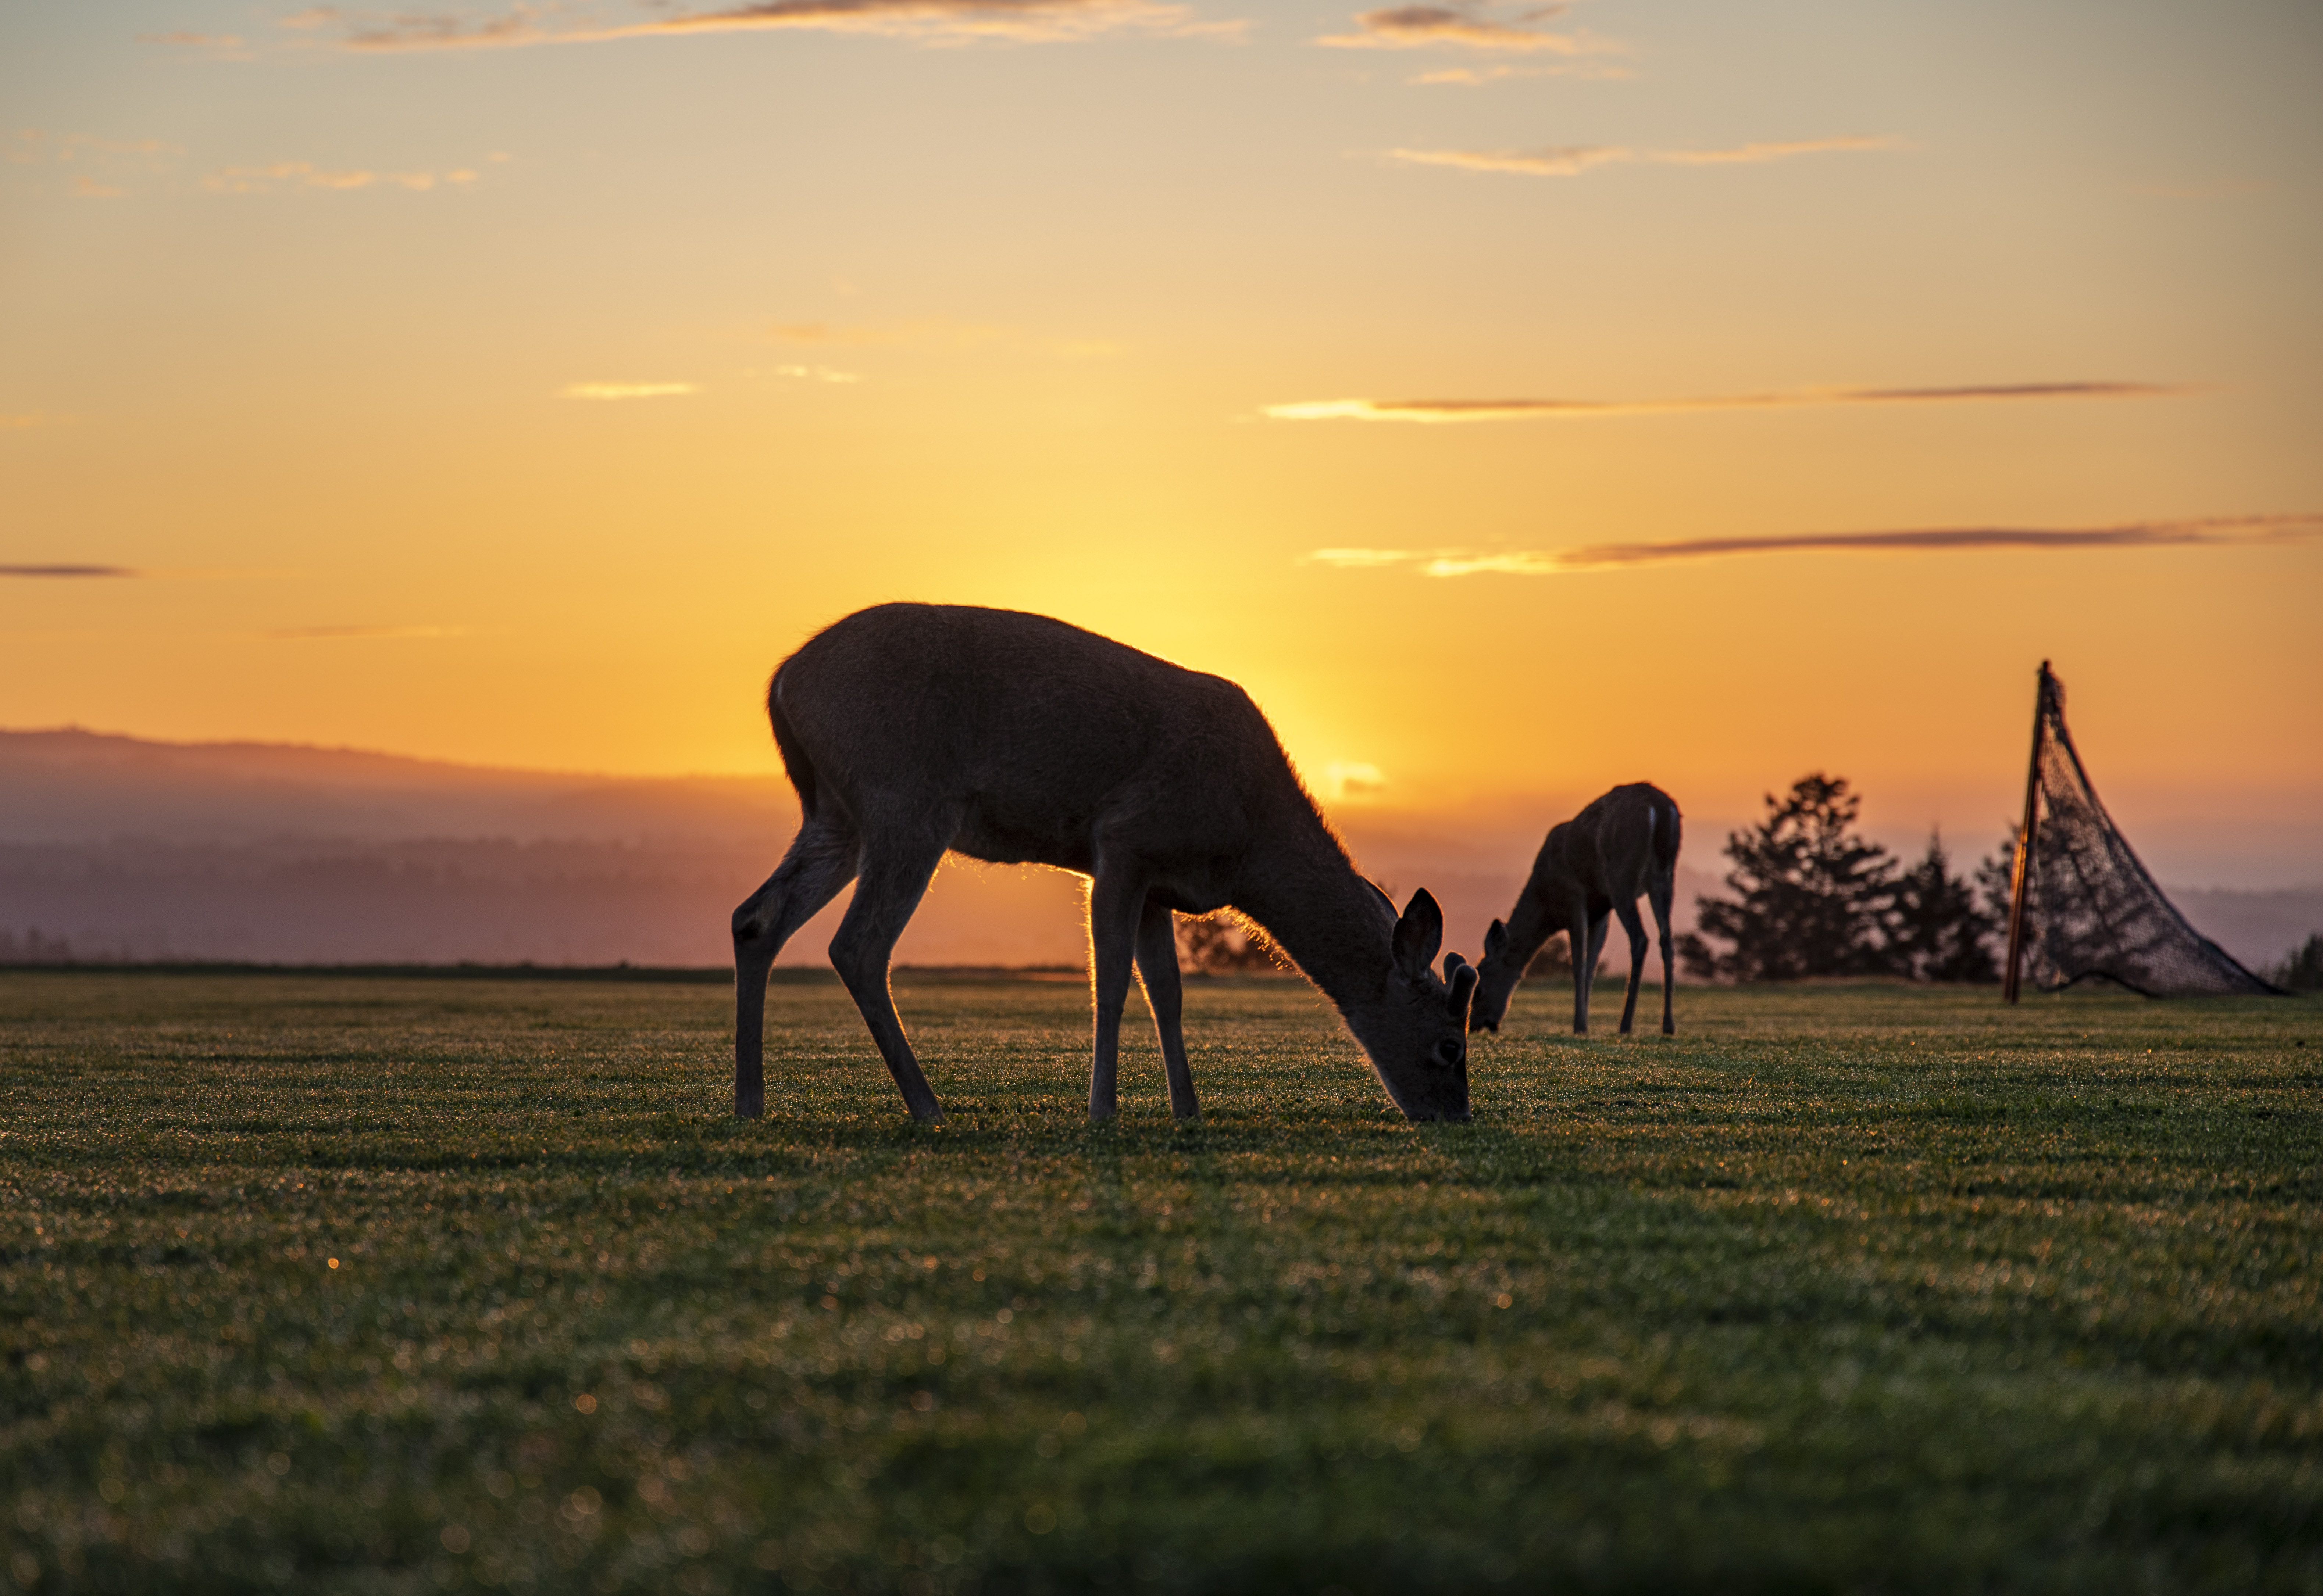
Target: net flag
{"type": "Point", "coordinates": [2083, 907]}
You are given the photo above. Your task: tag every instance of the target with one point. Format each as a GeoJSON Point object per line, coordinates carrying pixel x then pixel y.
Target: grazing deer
{"type": "Point", "coordinates": [913, 730]}
{"type": "Point", "coordinates": [1622, 847]}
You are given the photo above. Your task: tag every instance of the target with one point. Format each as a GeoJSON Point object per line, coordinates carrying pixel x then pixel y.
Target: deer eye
{"type": "Point", "coordinates": [1447, 1053]}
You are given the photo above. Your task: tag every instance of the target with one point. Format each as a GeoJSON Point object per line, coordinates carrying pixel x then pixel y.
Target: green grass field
{"type": "Point", "coordinates": [1845, 1289]}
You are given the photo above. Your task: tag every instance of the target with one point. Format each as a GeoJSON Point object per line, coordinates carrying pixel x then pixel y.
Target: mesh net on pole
{"type": "Point", "coordinates": [2088, 910]}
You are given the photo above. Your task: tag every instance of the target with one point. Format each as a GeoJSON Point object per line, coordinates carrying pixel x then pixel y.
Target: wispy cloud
{"type": "Point", "coordinates": [227, 46]}
{"type": "Point", "coordinates": [1476, 77]}
{"type": "Point", "coordinates": [934, 331]}
{"type": "Point", "coordinates": [1567, 160]}
{"type": "Point", "coordinates": [817, 374]}
{"type": "Point", "coordinates": [100, 166]}
{"type": "Point", "coordinates": [929, 21]}
{"type": "Point", "coordinates": [1444, 412]}
{"type": "Point", "coordinates": [18, 423]}
{"type": "Point", "coordinates": [302, 634]}
{"type": "Point", "coordinates": [69, 571]}
{"type": "Point", "coordinates": [306, 174]}
{"type": "Point", "coordinates": [2210, 530]}
{"type": "Point", "coordinates": [1352, 780]}
{"type": "Point", "coordinates": [1461, 27]}
{"type": "Point", "coordinates": [33, 146]}
{"type": "Point", "coordinates": [626, 390]}
{"type": "Point", "coordinates": [1365, 559]}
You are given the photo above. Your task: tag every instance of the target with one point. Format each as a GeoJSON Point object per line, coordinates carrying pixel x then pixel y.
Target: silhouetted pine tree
{"type": "Point", "coordinates": [1996, 880]}
{"type": "Point", "coordinates": [1938, 931]}
{"type": "Point", "coordinates": [2302, 969]}
{"type": "Point", "coordinates": [1814, 898]}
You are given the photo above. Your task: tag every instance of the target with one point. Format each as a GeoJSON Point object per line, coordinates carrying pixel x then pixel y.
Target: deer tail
{"type": "Point", "coordinates": [796, 764]}
{"type": "Point", "coordinates": [1663, 817]}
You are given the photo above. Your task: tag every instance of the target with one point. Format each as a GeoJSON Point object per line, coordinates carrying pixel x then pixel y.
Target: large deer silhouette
{"type": "Point", "coordinates": [913, 730]}
{"type": "Point", "coordinates": [1621, 848]}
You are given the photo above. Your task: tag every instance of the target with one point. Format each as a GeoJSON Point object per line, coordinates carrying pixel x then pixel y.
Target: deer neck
{"type": "Point", "coordinates": [1533, 921]}
{"type": "Point", "coordinates": [1301, 887]}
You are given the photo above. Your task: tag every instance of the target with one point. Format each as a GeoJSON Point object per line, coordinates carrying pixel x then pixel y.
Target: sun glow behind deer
{"type": "Point", "coordinates": [697, 337]}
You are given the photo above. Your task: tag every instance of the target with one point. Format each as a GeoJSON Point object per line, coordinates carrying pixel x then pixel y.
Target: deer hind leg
{"type": "Point", "coordinates": [1116, 907]}
{"type": "Point", "coordinates": [1658, 894]}
{"type": "Point", "coordinates": [893, 879]}
{"type": "Point", "coordinates": [820, 861]}
{"type": "Point", "coordinates": [1637, 929]}
{"type": "Point", "coordinates": [1157, 971]}
{"type": "Point", "coordinates": [1585, 970]}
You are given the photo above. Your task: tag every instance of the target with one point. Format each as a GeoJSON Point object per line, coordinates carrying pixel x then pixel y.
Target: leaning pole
{"type": "Point", "coordinates": [2023, 876]}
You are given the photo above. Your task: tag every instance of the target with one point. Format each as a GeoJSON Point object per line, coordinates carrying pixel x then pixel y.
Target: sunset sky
{"type": "Point", "coordinates": [1516, 399]}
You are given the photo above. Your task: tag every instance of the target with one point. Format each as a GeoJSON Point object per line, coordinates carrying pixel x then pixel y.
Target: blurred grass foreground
{"type": "Point", "coordinates": [335, 1284]}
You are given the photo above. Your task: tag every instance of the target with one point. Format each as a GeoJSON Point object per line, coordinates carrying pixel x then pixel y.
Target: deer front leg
{"type": "Point", "coordinates": [1116, 905]}
{"type": "Point", "coordinates": [891, 889]}
{"type": "Point", "coordinates": [1157, 970]}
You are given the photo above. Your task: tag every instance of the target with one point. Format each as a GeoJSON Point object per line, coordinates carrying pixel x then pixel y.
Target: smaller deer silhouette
{"type": "Point", "coordinates": [911, 730]}
{"type": "Point", "coordinates": [1621, 848]}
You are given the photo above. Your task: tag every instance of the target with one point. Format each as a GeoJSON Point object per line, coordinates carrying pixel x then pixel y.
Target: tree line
{"type": "Point", "coordinates": [1814, 897]}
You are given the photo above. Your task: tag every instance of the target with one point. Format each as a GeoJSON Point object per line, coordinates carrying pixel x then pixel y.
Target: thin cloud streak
{"type": "Point", "coordinates": [229, 47]}
{"type": "Point", "coordinates": [626, 390]}
{"type": "Point", "coordinates": [931, 21]}
{"type": "Point", "coordinates": [1477, 77]}
{"type": "Point", "coordinates": [32, 146]}
{"type": "Point", "coordinates": [306, 174]}
{"type": "Point", "coordinates": [100, 164]}
{"type": "Point", "coordinates": [2210, 531]}
{"type": "Point", "coordinates": [1424, 27]}
{"type": "Point", "coordinates": [1448, 412]}
{"type": "Point", "coordinates": [306, 634]}
{"type": "Point", "coordinates": [929, 331]}
{"type": "Point", "coordinates": [47, 572]}
{"type": "Point", "coordinates": [1568, 161]}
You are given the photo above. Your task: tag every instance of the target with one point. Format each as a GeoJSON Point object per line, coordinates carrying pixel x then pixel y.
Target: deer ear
{"type": "Point", "coordinates": [1496, 940]}
{"type": "Point", "coordinates": [1386, 901]}
{"type": "Point", "coordinates": [1464, 988]}
{"type": "Point", "coordinates": [1419, 933]}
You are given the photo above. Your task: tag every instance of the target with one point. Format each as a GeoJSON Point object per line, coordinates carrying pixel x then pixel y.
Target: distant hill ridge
{"type": "Point", "coordinates": [73, 785]}
{"type": "Point", "coordinates": [121, 846]}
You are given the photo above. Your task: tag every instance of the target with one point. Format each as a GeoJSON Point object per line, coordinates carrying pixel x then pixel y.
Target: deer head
{"type": "Point", "coordinates": [1497, 975]}
{"type": "Point", "coordinates": [1416, 1032]}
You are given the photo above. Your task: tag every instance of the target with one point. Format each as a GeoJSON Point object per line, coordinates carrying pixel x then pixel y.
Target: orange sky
{"type": "Point", "coordinates": [520, 386]}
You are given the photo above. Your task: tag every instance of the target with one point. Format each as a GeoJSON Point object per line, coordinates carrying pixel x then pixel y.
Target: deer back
{"type": "Point", "coordinates": [1021, 732]}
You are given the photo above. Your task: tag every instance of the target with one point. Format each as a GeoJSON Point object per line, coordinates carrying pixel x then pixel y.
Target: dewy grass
{"type": "Point", "coordinates": [334, 1284]}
